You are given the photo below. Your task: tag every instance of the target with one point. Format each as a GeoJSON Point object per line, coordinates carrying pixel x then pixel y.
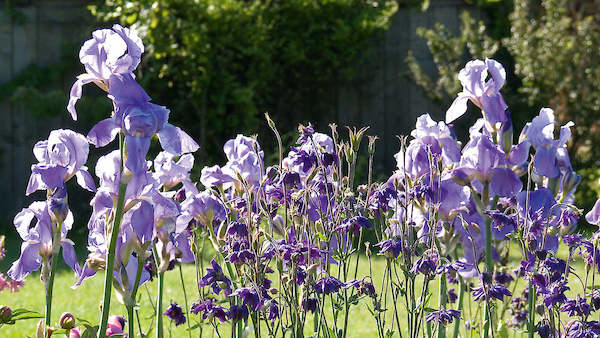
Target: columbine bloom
{"type": "Point", "coordinates": [175, 313]}
{"type": "Point", "coordinates": [211, 310]}
{"type": "Point", "coordinates": [427, 264]}
{"type": "Point", "coordinates": [354, 224]}
{"type": "Point", "coordinates": [390, 247]}
{"type": "Point", "coordinates": [139, 120]}
{"type": "Point", "coordinates": [250, 297]}
{"type": "Point", "coordinates": [238, 312]}
{"type": "Point", "coordinates": [216, 279]}
{"type": "Point", "coordinates": [38, 240]}
{"type": "Point", "coordinates": [328, 285]}
{"type": "Point", "coordinates": [109, 51]}
{"type": "Point", "coordinates": [443, 316]}
{"type": "Point", "coordinates": [576, 306]}
{"type": "Point", "coordinates": [497, 291]}
{"type": "Point", "coordinates": [484, 94]}
{"type": "Point", "coordinates": [60, 157]}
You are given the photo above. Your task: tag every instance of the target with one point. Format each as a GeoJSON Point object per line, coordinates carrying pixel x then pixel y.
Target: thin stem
{"type": "Point", "coordinates": [50, 286]}
{"type": "Point", "coordinates": [159, 322]}
{"type": "Point", "coordinates": [132, 298]}
{"type": "Point", "coordinates": [130, 321]}
{"type": "Point", "coordinates": [441, 332]}
{"type": "Point", "coordinates": [461, 295]}
{"type": "Point", "coordinates": [185, 299]}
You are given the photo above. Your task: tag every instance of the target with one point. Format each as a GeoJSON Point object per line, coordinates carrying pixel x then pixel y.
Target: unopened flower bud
{"type": "Point", "coordinates": [273, 291]}
{"type": "Point", "coordinates": [571, 181]}
{"type": "Point", "coordinates": [5, 314]}
{"type": "Point", "coordinates": [66, 321]}
{"type": "Point", "coordinates": [505, 135]}
{"type": "Point", "coordinates": [58, 205]}
{"type": "Point", "coordinates": [179, 196]}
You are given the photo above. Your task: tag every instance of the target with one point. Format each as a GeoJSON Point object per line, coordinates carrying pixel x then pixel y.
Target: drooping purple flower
{"type": "Point", "coordinates": [427, 263]}
{"type": "Point", "coordinates": [238, 312]}
{"type": "Point", "coordinates": [573, 241]}
{"type": "Point", "coordinates": [209, 310]}
{"type": "Point", "coordinates": [576, 306]}
{"type": "Point", "coordinates": [354, 224]}
{"type": "Point", "coordinates": [484, 94]}
{"type": "Point", "coordinates": [109, 51]}
{"type": "Point", "coordinates": [363, 286]}
{"type": "Point", "coordinates": [60, 157]}
{"type": "Point", "coordinates": [250, 297]}
{"type": "Point", "coordinates": [139, 120]}
{"type": "Point", "coordinates": [580, 329]}
{"type": "Point", "coordinates": [216, 279]}
{"type": "Point", "coordinates": [309, 304]}
{"type": "Point", "coordinates": [175, 313]}
{"type": "Point", "coordinates": [497, 291]}
{"type": "Point", "coordinates": [392, 247]}
{"type": "Point", "coordinates": [443, 316]}
{"type": "Point", "coordinates": [451, 296]}
{"type": "Point", "coordinates": [327, 285]}
{"type": "Point", "coordinates": [38, 240]}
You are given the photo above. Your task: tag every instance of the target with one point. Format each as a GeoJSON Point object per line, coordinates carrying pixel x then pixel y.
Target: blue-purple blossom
{"type": "Point", "coordinates": [327, 285]}
{"type": "Point", "coordinates": [60, 157]}
{"type": "Point", "coordinates": [175, 313]}
{"type": "Point", "coordinates": [580, 329]}
{"type": "Point", "coordinates": [354, 224]}
{"type": "Point", "coordinates": [443, 316]}
{"type": "Point", "coordinates": [427, 263]}
{"type": "Point", "coordinates": [250, 297]}
{"type": "Point", "coordinates": [38, 240]}
{"type": "Point", "coordinates": [238, 312]}
{"type": "Point", "coordinates": [204, 207]}
{"type": "Point", "coordinates": [109, 51]}
{"type": "Point", "coordinates": [576, 306]}
{"type": "Point", "coordinates": [391, 247]}
{"type": "Point", "coordinates": [139, 120]}
{"type": "Point", "coordinates": [216, 279]}
{"type": "Point", "coordinates": [484, 93]}
{"type": "Point", "coordinates": [209, 310]}
{"type": "Point", "coordinates": [497, 291]}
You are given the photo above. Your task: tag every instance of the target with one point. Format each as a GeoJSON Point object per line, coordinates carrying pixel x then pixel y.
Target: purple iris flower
{"type": "Point", "coordinates": [169, 173]}
{"type": "Point", "coordinates": [60, 157]}
{"type": "Point", "coordinates": [38, 240]}
{"type": "Point", "coordinates": [109, 51]}
{"type": "Point", "coordinates": [242, 159]}
{"type": "Point", "coordinates": [216, 279]}
{"type": "Point", "coordinates": [484, 94]}
{"type": "Point", "coordinates": [210, 310]}
{"type": "Point", "coordinates": [327, 285]}
{"type": "Point", "coordinates": [443, 316]}
{"type": "Point", "coordinates": [540, 132]}
{"type": "Point", "coordinates": [204, 207]}
{"type": "Point", "coordinates": [175, 313]}
{"type": "Point", "coordinates": [593, 216]}
{"type": "Point", "coordinates": [139, 120]}
{"type": "Point", "coordinates": [576, 306]}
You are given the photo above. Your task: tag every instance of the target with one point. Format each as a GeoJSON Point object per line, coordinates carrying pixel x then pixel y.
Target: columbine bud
{"type": "Point", "coordinates": [372, 140]}
{"type": "Point", "coordinates": [66, 321]}
{"type": "Point", "coordinates": [58, 206]}
{"type": "Point", "coordinates": [5, 314]}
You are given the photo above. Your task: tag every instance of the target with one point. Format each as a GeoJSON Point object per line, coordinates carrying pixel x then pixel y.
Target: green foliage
{"type": "Point", "coordinates": [222, 63]}
{"type": "Point", "coordinates": [553, 48]}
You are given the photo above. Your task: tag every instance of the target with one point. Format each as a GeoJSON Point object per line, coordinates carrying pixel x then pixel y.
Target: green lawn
{"type": "Point", "coordinates": [84, 301]}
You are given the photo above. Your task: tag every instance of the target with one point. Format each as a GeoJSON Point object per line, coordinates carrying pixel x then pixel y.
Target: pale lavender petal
{"type": "Point", "coordinates": [458, 107]}
{"type": "Point", "coordinates": [137, 148]}
{"type": "Point", "coordinates": [472, 77]}
{"type": "Point", "coordinates": [69, 256]}
{"type": "Point", "coordinates": [176, 141]}
{"type": "Point", "coordinates": [29, 261]}
{"type": "Point", "coordinates": [103, 132]}
{"type": "Point", "coordinates": [125, 90]}
{"type": "Point", "coordinates": [84, 274]}
{"type": "Point", "coordinates": [35, 183]}
{"type": "Point", "coordinates": [52, 176]}
{"type": "Point", "coordinates": [593, 216]}
{"type": "Point", "coordinates": [22, 222]}
{"type": "Point", "coordinates": [498, 74]}
{"type": "Point", "coordinates": [505, 183]}
{"type": "Point", "coordinates": [544, 162]}
{"type": "Point", "coordinates": [85, 180]}
{"type": "Point", "coordinates": [519, 153]}
{"type": "Point", "coordinates": [211, 176]}
{"type": "Point", "coordinates": [40, 151]}
{"type": "Point", "coordinates": [76, 92]}
{"type": "Point", "coordinates": [142, 221]}
{"type": "Point", "coordinates": [135, 48]}
{"type": "Point", "coordinates": [494, 108]}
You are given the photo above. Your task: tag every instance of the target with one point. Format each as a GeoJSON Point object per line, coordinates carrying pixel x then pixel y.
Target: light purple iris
{"type": "Point", "coordinates": [38, 240]}
{"type": "Point", "coordinates": [242, 160]}
{"type": "Point", "coordinates": [139, 120]}
{"type": "Point", "coordinates": [483, 92]}
{"type": "Point", "coordinates": [550, 154]}
{"type": "Point", "coordinates": [169, 173]}
{"type": "Point", "coordinates": [60, 157]}
{"type": "Point", "coordinates": [109, 51]}
{"type": "Point", "coordinates": [204, 207]}
{"type": "Point", "coordinates": [302, 159]}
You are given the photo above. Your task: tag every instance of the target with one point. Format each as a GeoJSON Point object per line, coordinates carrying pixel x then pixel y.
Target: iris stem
{"type": "Point", "coordinates": [441, 329]}
{"type": "Point", "coordinates": [110, 260]}
{"type": "Point", "coordinates": [132, 301]}
{"type": "Point", "coordinates": [50, 286]}
{"type": "Point", "coordinates": [159, 322]}
{"type": "Point", "coordinates": [461, 294]}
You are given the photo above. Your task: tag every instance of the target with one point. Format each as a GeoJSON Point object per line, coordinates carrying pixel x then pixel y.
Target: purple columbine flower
{"type": "Point", "coordinates": [38, 240]}
{"type": "Point", "coordinates": [363, 286]}
{"type": "Point", "coordinates": [309, 304]}
{"type": "Point", "coordinates": [209, 310]}
{"type": "Point", "coordinates": [427, 263]}
{"type": "Point", "coordinates": [482, 92]}
{"type": "Point", "coordinates": [328, 285]}
{"type": "Point", "coordinates": [306, 132]}
{"type": "Point", "coordinates": [60, 157]}
{"type": "Point", "coordinates": [354, 224]}
{"type": "Point", "coordinates": [580, 329]}
{"type": "Point", "coordinates": [175, 313]}
{"type": "Point", "coordinates": [497, 291]}
{"type": "Point", "coordinates": [443, 316]}
{"type": "Point", "coordinates": [390, 247]}
{"type": "Point", "coordinates": [109, 51]}
{"type": "Point", "coordinates": [576, 306]}
{"type": "Point", "coordinates": [139, 120]}
{"type": "Point", "coordinates": [238, 312]}
{"type": "Point", "coordinates": [216, 279]}
{"type": "Point", "coordinates": [250, 297]}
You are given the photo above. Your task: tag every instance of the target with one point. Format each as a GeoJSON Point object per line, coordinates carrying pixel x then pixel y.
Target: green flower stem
{"type": "Point", "coordinates": [461, 295]}
{"type": "Point", "coordinates": [110, 260]}
{"type": "Point", "coordinates": [185, 300]}
{"type": "Point", "coordinates": [159, 311]}
{"type": "Point", "coordinates": [132, 301]}
{"type": "Point", "coordinates": [531, 322]}
{"type": "Point", "coordinates": [442, 298]}
{"type": "Point", "coordinates": [49, 286]}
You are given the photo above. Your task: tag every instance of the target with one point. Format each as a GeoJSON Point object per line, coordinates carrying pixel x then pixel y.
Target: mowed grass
{"type": "Point", "coordinates": [84, 302]}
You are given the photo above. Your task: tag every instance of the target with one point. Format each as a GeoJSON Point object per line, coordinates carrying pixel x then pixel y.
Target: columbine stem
{"type": "Point", "coordinates": [442, 298]}
{"type": "Point", "coordinates": [185, 300]}
{"type": "Point", "coordinates": [110, 260]}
